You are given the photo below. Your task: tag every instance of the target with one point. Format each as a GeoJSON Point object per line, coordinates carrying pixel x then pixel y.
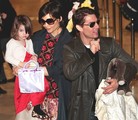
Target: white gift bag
{"type": "Point", "coordinates": [31, 79]}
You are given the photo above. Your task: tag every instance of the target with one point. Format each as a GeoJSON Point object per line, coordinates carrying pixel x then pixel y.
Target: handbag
{"type": "Point", "coordinates": [31, 79]}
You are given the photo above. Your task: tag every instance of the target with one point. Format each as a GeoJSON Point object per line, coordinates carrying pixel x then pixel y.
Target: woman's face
{"type": "Point", "coordinates": [51, 24]}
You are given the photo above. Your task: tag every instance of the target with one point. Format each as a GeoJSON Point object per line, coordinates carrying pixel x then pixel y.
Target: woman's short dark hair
{"type": "Point", "coordinates": [21, 20]}
{"type": "Point", "coordinates": [53, 8]}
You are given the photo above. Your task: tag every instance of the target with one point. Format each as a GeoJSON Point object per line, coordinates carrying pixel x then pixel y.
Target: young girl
{"type": "Point", "coordinates": [19, 50]}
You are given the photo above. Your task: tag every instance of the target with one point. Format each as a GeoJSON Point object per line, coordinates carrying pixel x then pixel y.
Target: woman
{"type": "Point", "coordinates": [48, 45]}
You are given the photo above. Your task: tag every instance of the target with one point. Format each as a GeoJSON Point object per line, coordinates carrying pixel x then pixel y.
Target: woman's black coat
{"type": "Point", "coordinates": [56, 70]}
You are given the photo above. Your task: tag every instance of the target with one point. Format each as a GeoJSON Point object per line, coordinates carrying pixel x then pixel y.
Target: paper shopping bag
{"type": "Point", "coordinates": [31, 79]}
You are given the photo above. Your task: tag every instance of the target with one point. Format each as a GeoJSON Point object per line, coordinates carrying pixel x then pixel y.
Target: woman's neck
{"type": "Point", "coordinates": [56, 32]}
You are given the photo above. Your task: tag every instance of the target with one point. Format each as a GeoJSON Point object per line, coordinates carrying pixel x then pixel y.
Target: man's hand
{"type": "Point", "coordinates": [113, 85]}
{"type": "Point", "coordinates": [95, 46]}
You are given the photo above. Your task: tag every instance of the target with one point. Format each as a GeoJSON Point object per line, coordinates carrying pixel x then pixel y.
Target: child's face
{"type": "Point", "coordinates": [22, 35]}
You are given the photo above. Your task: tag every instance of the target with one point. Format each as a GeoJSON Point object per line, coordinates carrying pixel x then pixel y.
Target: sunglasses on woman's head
{"type": "Point", "coordinates": [92, 24]}
{"type": "Point", "coordinates": [49, 21]}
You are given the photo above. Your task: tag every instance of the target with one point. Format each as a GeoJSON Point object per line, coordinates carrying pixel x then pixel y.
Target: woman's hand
{"type": "Point", "coordinates": [45, 71]}
{"type": "Point", "coordinates": [15, 70]}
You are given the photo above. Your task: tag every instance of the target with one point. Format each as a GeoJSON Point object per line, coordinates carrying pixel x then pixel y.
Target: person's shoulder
{"type": "Point", "coordinates": [106, 40]}
{"type": "Point", "coordinates": [72, 40]}
{"type": "Point", "coordinates": [28, 41]}
{"type": "Point", "coordinates": [65, 36]}
{"type": "Point", "coordinates": [12, 41]}
{"type": "Point", "coordinates": [38, 34]}
{"type": "Point", "coordinates": [66, 33]}
{"type": "Point", "coordinates": [75, 41]}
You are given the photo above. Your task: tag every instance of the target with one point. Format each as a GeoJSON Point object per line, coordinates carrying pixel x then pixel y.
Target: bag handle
{"type": "Point", "coordinates": [31, 61]}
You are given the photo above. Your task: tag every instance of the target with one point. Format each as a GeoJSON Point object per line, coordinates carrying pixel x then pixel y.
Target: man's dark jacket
{"type": "Point", "coordinates": [77, 67]}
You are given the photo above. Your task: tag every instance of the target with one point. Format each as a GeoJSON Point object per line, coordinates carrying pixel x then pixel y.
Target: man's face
{"type": "Point", "coordinates": [90, 28]}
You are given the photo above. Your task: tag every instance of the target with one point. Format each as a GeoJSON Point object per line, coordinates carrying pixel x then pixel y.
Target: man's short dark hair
{"type": "Point", "coordinates": [79, 16]}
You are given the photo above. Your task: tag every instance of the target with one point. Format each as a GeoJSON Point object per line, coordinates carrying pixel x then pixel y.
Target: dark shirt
{"type": "Point", "coordinates": [95, 67]}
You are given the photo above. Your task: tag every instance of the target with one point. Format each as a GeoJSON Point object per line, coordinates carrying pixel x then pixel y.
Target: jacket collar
{"type": "Point", "coordinates": [79, 46]}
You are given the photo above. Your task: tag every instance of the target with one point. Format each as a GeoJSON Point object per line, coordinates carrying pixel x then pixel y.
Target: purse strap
{"type": "Point", "coordinates": [34, 66]}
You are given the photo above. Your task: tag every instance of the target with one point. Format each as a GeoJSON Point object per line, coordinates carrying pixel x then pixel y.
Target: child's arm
{"type": "Point", "coordinates": [21, 64]}
{"type": "Point", "coordinates": [15, 53]}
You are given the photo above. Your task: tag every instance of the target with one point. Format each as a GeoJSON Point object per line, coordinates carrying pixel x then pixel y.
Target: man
{"type": "Point", "coordinates": [85, 62]}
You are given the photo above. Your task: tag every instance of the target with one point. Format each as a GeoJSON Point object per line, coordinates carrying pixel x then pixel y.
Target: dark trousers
{"type": "Point", "coordinates": [2, 73]}
{"type": "Point", "coordinates": [93, 117]}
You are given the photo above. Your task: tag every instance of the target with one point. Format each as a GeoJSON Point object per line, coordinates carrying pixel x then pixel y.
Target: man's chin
{"type": "Point", "coordinates": [96, 38]}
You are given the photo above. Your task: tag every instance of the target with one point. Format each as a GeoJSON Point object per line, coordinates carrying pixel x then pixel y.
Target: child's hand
{"type": "Point", "coordinates": [34, 57]}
